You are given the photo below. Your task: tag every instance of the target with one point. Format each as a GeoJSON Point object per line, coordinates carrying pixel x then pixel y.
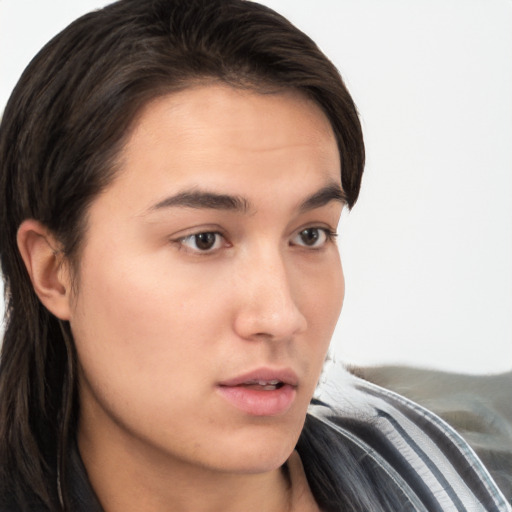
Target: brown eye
{"type": "Point", "coordinates": [310, 236]}
{"type": "Point", "coordinates": [315, 238]}
{"type": "Point", "coordinates": [202, 242]}
{"type": "Point", "coordinates": [205, 241]}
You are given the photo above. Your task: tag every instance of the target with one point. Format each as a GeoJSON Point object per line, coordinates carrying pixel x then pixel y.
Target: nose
{"type": "Point", "coordinates": [268, 306]}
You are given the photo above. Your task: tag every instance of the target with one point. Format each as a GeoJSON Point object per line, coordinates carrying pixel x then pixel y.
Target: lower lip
{"type": "Point", "coordinates": [257, 402]}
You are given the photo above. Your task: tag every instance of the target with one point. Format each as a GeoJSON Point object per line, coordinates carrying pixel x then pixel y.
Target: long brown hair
{"type": "Point", "coordinates": [61, 131]}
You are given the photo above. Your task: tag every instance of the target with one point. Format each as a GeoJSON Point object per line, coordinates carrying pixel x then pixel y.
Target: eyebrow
{"type": "Point", "coordinates": [331, 192]}
{"type": "Point", "coordinates": [201, 199]}
{"type": "Point", "coordinates": [204, 199]}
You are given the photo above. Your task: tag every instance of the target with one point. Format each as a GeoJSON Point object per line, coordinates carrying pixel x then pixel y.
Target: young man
{"type": "Point", "coordinates": [173, 173]}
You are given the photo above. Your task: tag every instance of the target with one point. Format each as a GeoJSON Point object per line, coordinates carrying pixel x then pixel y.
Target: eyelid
{"type": "Point", "coordinates": [179, 241]}
{"type": "Point", "coordinates": [329, 233]}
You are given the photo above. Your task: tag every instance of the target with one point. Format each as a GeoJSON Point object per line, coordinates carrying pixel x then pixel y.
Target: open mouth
{"type": "Point", "coordinates": [263, 385]}
{"type": "Point", "coordinates": [261, 392]}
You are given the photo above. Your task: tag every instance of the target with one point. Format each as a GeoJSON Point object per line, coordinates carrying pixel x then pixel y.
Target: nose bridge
{"type": "Point", "coordinates": [269, 306]}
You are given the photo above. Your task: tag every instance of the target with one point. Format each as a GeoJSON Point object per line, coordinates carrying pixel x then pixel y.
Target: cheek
{"type": "Point", "coordinates": [321, 299]}
{"type": "Point", "coordinates": [140, 301]}
{"type": "Point", "coordinates": [321, 295]}
{"type": "Point", "coordinates": [141, 349]}
{"type": "Point", "coordinates": [139, 327]}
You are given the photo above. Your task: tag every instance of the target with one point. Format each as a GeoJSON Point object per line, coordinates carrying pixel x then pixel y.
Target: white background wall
{"type": "Point", "coordinates": [428, 249]}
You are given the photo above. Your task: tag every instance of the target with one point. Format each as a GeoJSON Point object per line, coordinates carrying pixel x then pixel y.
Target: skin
{"type": "Point", "coordinates": [159, 322]}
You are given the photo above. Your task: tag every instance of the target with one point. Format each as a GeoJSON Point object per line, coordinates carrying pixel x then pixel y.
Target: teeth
{"type": "Point", "coordinates": [265, 385]}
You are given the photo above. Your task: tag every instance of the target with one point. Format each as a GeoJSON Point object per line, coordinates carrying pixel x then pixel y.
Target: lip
{"type": "Point", "coordinates": [285, 375]}
{"type": "Point", "coordinates": [238, 391]}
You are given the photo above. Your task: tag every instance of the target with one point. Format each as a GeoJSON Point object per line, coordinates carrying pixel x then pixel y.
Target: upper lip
{"type": "Point", "coordinates": [283, 375]}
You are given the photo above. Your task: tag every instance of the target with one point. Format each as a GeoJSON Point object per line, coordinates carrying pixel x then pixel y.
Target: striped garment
{"type": "Point", "coordinates": [415, 452]}
{"type": "Point", "coordinates": [422, 455]}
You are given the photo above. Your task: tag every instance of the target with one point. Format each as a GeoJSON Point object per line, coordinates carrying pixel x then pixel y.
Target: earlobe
{"type": "Point", "coordinates": [46, 267]}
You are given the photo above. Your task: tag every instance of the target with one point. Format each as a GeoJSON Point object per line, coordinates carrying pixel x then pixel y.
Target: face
{"type": "Point", "coordinates": [210, 283]}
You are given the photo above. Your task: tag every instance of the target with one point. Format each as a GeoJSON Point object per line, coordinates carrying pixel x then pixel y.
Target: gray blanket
{"type": "Point", "coordinates": [478, 407]}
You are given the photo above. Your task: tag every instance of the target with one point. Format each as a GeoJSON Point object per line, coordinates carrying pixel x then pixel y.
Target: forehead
{"type": "Point", "coordinates": [227, 140]}
{"type": "Point", "coordinates": [211, 115]}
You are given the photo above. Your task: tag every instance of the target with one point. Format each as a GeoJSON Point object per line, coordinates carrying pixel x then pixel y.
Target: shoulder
{"type": "Point", "coordinates": [416, 451]}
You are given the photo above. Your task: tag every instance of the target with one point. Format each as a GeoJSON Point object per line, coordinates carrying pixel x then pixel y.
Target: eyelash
{"type": "Point", "coordinates": [329, 234]}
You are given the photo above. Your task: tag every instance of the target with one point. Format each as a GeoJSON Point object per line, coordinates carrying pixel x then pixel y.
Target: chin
{"type": "Point", "coordinates": [260, 463]}
{"type": "Point", "coordinates": [260, 452]}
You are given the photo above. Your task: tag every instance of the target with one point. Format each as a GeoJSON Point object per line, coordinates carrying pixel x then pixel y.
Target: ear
{"type": "Point", "coordinates": [46, 267]}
